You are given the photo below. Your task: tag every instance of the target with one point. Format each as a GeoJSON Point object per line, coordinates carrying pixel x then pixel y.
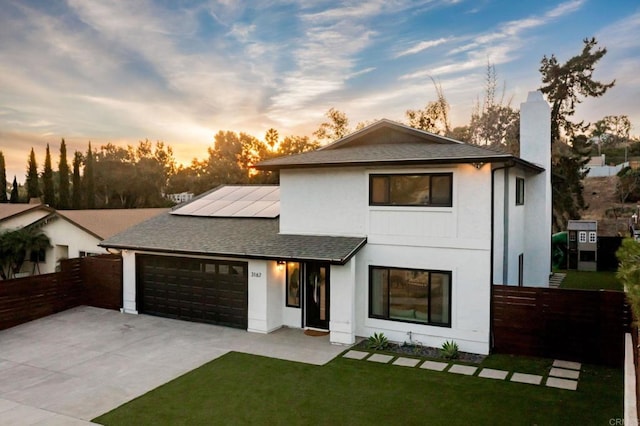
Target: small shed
{"type": "Point", "coordinates": [583, 245]}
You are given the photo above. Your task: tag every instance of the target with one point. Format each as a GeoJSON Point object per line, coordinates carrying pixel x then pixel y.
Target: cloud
{"type": "Point", "coordinates": [497, 47]}
{"type": "Point", "coordinates": [423, 45]}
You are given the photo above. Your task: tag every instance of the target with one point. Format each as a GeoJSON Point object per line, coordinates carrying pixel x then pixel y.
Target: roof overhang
{"type": "Point", "coordinates": [342, 260]}
{"type": "Point", "coordinates": [408, 162]}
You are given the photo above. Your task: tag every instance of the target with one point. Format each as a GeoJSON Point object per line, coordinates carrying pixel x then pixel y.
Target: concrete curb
{"type": "Point", "coordinates": [630, 398]}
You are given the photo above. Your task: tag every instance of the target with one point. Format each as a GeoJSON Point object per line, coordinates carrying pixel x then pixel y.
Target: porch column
{"type": "Point", "coordinates": [342, 302]}
{"type": "Point", "coordinates": [129, 282]}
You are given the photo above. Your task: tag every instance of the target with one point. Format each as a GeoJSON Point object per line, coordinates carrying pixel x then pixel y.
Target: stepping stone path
{"type": "Point", "coordinates": [563, 374]}
{"type": "Point", "coordinates": [556, 279]}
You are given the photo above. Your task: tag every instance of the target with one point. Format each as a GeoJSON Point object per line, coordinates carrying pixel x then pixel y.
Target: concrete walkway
{"type": "Point", "coordinates": [69, 368]}
{"type": "Point", "coordinates": [562, 375]}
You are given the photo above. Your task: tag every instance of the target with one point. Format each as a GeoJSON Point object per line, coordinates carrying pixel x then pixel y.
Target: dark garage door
{"type": "Point", "coordinates": [191, 289]}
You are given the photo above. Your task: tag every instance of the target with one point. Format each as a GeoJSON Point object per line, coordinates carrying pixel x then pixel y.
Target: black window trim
{"type": "Point", "coordinates": [389, 175]}
{"type": "Point", "coordinates": [432, 324]}
{"type": "Point", "coordinates": [520, 185]}
{"type": "Point", "coordinates": [286, 287]}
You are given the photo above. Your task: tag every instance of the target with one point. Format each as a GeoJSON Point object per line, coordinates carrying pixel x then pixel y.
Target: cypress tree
{"type": "Point", "coordinates": [15, 197]}
{"type": "Point", "coordinates": [89, 183]}
{"type": "Point", "coordinates": [47, 180]}
{"type": "Point", "coordinates": [3, 179]}
{"type": "Point", "coordinates": [63, 174]}
{"type": "Point", "coordinates": [33, 188]}
{"type": "Point", "coordinates": [76, 195]}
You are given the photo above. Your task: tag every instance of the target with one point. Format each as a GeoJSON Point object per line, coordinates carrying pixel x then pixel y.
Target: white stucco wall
{"type": "Point", "coordinates": [470, 295]}
{"type": "Point", "coordinates": [342, 299]}
{"type": "Point", "coordinates": [506, 262]}
{"type": "Point", "coordinates": [67, 241]}
{"type": "Point", "coordinates": [129, 282]}
{"type": "Point", "coordinates": [328, 201]}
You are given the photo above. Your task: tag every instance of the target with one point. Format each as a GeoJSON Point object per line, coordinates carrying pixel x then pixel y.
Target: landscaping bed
{"type": "Point", "coordinates": [414, 350]}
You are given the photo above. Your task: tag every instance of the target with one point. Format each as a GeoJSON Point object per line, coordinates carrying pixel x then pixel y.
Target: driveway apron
{"type": "Point", "coordinates": [73, 366]}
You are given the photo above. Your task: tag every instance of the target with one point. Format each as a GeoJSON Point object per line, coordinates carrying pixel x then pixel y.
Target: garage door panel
{"type": "Point", "coordinates": [193, 289]}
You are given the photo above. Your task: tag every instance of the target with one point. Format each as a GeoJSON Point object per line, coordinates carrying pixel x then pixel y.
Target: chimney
{"type": "Point", "coordinates": [535, 147]}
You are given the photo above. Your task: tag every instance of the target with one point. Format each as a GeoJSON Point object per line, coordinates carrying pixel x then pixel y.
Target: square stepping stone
{"type": "Point", "coordinates": [384, 359]}
{"type": "Point", "coordinates": [565, 374]}
{"type": "Point", "coordinates": [490, 373]}
{"type": "Point", "coordinates": [567, 364]}
{"type": "Point", "coordinates": [467, 370]}
{"type": "Point", "coordinates": [406, 362]}
{"type": "Point", "coordinates": [532, 379]}
{"type": "Point", "coordinates": [562, 383]}
{"type": "Point", "coordinates": [434, 365]}
{"type": "Point", "coordinates": [355, 354]}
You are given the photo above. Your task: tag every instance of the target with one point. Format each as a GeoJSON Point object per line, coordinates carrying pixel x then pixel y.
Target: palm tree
{"type": "Point", "coordinates": [19, 245]}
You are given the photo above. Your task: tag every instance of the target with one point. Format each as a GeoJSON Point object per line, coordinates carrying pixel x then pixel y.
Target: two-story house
{"type": "Point", "coordinates": [390, 229]}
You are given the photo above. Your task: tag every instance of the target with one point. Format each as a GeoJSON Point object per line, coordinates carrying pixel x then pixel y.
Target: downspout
{"type": "Point", "coordinates": [492, 255]}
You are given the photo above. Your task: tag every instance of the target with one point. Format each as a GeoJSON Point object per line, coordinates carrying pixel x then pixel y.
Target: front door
{"type": "Point", "coordinates": [317, 295]}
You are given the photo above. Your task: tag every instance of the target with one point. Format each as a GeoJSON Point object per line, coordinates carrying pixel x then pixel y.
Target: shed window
{"type": "Point", "coordinates": [593, 238]}
{"type": "Point", "coordinates": [582, 236]}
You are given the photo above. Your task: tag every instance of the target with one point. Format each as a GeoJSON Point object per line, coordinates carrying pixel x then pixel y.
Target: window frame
{"type": "Point", "coordinates": [593, 237]}
{"type": "Point", "coordinates": [287, 284]}
{"type": "Point", "coordinates": [388, 296]}
{"type": "Point", "coordinates": [389, 176]}
{"type": "Point", "coordinates": [520, 188]}
{"type": "Point", "coordinates": [582, 237]}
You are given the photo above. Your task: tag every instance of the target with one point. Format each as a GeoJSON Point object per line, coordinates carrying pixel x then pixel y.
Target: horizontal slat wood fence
{"type": "Point", "coordinates": [94, 281]}
{"type": "Point", "coordinates": [575, 325]}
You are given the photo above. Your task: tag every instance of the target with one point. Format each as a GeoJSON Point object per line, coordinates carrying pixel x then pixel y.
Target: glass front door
{"type": "Point", "coordinates": [317, 295]}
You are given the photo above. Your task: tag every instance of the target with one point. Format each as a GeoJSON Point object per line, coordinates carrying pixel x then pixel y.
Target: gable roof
{"type": "Point", "coordinates": [247, 238]}
{"type": "Point", "coordinates": [105, 223]}
{"type": "Point", "coordinates": [389, 143]}
{"type": "Point", "coordinates": [8, 211]}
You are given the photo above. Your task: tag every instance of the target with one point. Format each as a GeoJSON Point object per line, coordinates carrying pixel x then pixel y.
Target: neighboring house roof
{"type": "Point", "coordinates": [232, 237]}
{"type": "Point", "coordinates": [389, 143]}
{"type": "Point", "coordinates": [11, 210]}
{"type": "Point", "coordinates": [107, 222]}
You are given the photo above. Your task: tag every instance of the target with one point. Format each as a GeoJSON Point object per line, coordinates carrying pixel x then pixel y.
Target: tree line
{"type": "Point", "coordinates": [139, 176]}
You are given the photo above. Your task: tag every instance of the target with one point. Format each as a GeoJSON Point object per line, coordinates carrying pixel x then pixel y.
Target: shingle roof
{"type": "Point", "coordinates": [232, 237]}
{"type": "Point", "coordinates": [389, 143]}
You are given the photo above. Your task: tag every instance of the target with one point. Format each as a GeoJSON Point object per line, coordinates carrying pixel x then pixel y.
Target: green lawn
{"type": "Point", "coordinates": [591, 280]}
{"type": "Point", "coordinates": [246, 389]}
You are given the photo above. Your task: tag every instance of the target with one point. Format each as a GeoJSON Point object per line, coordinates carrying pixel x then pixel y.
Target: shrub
{"type": "Point", "coordinates": [378, 342]}
{"type": "Point", "coordinates": [449, 350]}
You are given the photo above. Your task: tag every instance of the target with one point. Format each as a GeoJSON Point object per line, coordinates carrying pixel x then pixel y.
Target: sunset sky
{"type": "Point", "coordinates": [179, 71]}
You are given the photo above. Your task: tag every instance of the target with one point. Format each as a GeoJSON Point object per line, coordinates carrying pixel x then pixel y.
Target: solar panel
{"type": "Point", "coordinates": [235, 201]}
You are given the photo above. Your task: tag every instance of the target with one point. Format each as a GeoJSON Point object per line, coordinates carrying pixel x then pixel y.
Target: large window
{"type": "Point", "coordinates": [410, 295]}
{"type": "Point", "coordinates": [411, 190]}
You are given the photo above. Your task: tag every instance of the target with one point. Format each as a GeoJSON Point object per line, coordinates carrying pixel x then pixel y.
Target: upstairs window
{"type": "Point", "coordinates": [424, 189]}
{"type": "Point", "coordinates": [519, 191]}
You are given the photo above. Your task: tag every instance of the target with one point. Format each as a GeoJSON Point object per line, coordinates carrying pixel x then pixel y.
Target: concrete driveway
{"type": "Point", "coordinates": [70, 367]}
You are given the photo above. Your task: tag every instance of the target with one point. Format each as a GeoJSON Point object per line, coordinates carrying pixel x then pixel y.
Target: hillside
{"type": "Point", "coordinates": [600, 197]}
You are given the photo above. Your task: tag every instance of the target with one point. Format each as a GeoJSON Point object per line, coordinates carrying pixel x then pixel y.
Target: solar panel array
{"type": "Point", "coordinates": [235, 201]}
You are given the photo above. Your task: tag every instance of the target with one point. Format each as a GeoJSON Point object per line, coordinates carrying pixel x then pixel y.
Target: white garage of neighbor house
{"type": "Point", "coordinates": [390, 229]}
